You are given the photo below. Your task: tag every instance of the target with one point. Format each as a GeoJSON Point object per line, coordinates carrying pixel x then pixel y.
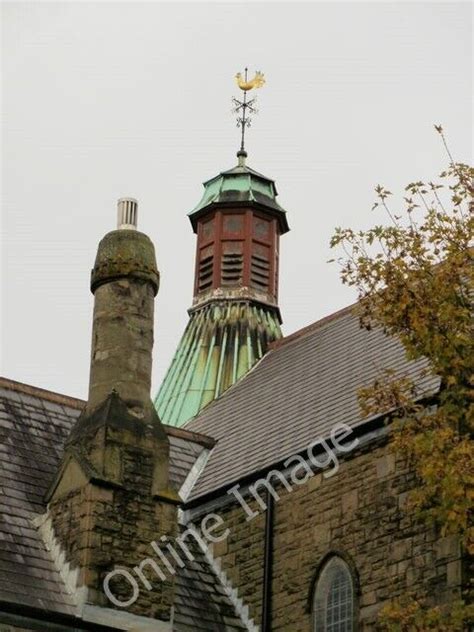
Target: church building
{"type": "Point", "coordinates": [250, 494]}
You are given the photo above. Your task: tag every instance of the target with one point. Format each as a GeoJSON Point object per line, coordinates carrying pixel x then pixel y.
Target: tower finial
{"type": "Point", "coordinates": [244, 108]}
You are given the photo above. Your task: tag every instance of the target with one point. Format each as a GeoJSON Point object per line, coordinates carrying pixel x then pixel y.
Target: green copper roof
{"type": "Point", "coordinates": [240, 185]}
{"type": "Point", "coordinates": [222, 341]}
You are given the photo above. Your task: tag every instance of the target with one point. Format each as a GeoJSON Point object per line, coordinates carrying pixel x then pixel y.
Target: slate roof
{"type": "Point", "coordinates": [31, 434]}
{"type": "Point", "coordinates": [201, 602]}
{"type": "Point", "coordinates": [303, 387]}
{"type": "Point", "coordinates": [33, 427]}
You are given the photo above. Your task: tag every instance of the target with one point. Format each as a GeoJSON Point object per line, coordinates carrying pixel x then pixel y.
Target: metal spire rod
{"type": "Point", "coordinates": [243, 107]}
{"type": "Point", "coordinates": [244, 121]}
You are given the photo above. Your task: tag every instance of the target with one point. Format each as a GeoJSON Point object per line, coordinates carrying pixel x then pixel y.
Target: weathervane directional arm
{"type": "Point", "coordinates": [243, 107]}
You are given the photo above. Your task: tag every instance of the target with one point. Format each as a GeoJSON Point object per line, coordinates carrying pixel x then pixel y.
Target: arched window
{"type": "Point", "coordinates": [333, 600]}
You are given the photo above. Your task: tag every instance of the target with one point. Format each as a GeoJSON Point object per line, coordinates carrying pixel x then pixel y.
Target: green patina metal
{"type": "Point", "coordinates": [222, 341]}
{"type": "Point", "coordinates": [242, 186]}
{"type": "Point", "coordinates": [228, 333]}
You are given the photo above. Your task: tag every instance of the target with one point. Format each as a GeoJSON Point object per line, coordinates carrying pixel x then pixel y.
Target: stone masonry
{"type": "Point", "coordinates": [107, 520]}
{"type": "Point", "coordinates": [360, 512]}
{"type": "Point", "coordinates": [111, 497]}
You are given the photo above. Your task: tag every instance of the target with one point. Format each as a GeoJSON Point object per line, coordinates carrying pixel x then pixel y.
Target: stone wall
{"type": "Point", "coordinates": [361, 512]}
{"type": "Point", "coordinates": [115, 528]}
{"type": "Point", "coordinates": [105, 524]}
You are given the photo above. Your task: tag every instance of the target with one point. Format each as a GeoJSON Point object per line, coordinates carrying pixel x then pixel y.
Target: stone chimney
{"type": "Point", "coordinates": [124, 282]}
{"type": "Point", "coordinates": [111, 498]}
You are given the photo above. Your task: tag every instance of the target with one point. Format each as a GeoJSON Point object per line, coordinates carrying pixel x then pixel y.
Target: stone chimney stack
{"type": "Point", "coordinates": [111, 498]}
{"type": "Point", "coordinates": [124, 281]}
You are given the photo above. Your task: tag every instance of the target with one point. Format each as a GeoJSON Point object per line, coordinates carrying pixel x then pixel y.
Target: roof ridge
{"type": "Point", "coordinates": [74, 402]}
{"type": "Point", "coordinates": [52, 396]}
{"type": "Point", "coordinates": [196, 437]}
{"type": "Point", "coordinates": [245, 169]}
{"type": "Point", "coordinates": [308, 329]}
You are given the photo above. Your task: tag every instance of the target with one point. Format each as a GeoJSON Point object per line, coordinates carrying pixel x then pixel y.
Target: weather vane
{"type": "Point", "coordinates": [243, 107]}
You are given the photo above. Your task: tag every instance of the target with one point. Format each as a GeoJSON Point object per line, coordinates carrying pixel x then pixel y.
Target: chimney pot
{"type": "Point", "coordinates": [127, 211]}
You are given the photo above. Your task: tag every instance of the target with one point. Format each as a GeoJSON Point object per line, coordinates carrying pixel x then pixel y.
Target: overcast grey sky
{"type": "Point", "coordinates": [103, 100]}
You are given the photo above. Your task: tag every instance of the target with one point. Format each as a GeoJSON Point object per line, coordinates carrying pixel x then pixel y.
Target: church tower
{"type": "Point", "coordinates": [234, 315]}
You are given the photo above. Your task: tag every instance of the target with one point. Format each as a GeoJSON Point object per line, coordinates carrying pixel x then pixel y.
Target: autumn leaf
{"type": "Point", "coordinates": [414, 276]}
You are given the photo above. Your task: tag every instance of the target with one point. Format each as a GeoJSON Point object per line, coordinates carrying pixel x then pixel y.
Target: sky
{"type": "Point", "coordinates": [104, 100]}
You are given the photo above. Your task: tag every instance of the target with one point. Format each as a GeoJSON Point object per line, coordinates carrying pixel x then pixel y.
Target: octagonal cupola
{"type": "Point", "coordinates": [238, 223]}
{"type": "Point", "coordinates": [234, 317]}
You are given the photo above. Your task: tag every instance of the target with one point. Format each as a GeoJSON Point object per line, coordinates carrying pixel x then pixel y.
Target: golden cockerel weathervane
{"type": "Point", "coordinates": [244, 107]}
{"type": "Point", "coordinates": [245, 84]}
